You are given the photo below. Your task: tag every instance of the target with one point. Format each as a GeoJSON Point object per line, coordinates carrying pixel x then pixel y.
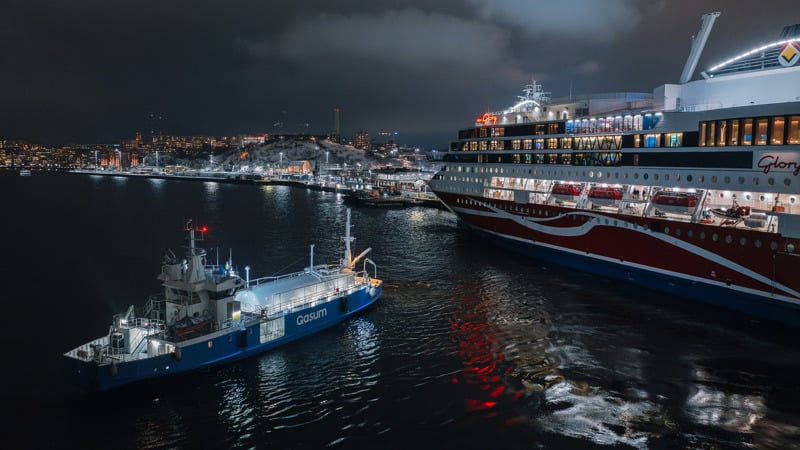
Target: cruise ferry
{"type": "Point", "coordinates": [692, 189]}
{"type": "Point", "coordinates": [209, 315]}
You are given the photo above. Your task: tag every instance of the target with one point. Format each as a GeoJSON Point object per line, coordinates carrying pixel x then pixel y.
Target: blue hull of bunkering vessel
{"type": "Point", "coordinates": [223, 347]}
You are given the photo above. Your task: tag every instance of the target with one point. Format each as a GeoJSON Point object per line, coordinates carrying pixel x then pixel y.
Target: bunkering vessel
{"type": "Point", "coordinates": [208, 315]}
{"type": "Point", "coordinates": [692, 189]}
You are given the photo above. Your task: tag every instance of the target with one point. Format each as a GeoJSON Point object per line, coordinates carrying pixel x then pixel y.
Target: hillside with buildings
{"type": "Point", "coordinates": [282, 152]}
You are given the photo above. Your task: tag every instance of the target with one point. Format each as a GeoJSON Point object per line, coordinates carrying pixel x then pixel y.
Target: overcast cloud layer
{"type": "Point", "coordinates": [90, 71]}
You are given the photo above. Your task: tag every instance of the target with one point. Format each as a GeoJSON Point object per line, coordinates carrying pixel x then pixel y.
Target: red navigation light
{"type": "Point", "coordinates": [204, 229]}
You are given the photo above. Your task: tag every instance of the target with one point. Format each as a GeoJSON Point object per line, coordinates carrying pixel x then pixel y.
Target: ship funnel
{"type": "Point", "coordinates": [698, 42]}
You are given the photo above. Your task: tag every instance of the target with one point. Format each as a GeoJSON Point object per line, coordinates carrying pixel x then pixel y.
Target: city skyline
{"type": "Point", "coordinates": [84, 72]}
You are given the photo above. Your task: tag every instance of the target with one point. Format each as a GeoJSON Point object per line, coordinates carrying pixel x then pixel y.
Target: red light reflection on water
{"type": "Point", "coordinates": [476, 346]}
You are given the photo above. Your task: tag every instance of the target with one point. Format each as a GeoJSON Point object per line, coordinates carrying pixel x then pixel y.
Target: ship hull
{"type": "Point", "coordinates": [225, 347]}
{"type": "Point", "coordinates": [648, 253]}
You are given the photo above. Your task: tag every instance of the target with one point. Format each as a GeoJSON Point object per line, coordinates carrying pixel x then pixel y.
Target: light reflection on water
{"type": "Point", "coordinates": [469, 346]}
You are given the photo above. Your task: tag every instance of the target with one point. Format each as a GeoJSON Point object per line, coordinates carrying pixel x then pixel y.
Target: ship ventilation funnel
{"type": "Point", "coordinates": [698, 42]}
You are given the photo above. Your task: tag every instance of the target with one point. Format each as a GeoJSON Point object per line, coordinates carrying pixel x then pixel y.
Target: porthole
{"type": "Point", "coordinates": [688, 178]}
{"type": "Point", "coordinates": [666, 230]}
{"type": "Point", "coordinates": [790, 248]}
{"type": "Point", "coordinates": [727, 180]}
{"type": "Point", "coordinates": [666, 177]}
{"type": "Point", "coordinates": [616, 223]}
{"type": "Point", "coordinates": [741, 180]}
{"type": "Point", "coordinates": [792, 199]}
{"type": "Point", "coordinates": [702, 235]}
{"type": "Point", "coordinates": [771, 181]}
{"type": "Point", "coordinates": [714, 237]}
{"type": "Point", "coordinates": [713, 178]}
{"type": "Point", "coordinates": [678, 177]}
{"type": "Point", "coordinates": [689, 234]}
{"type": "Point", "coordinates": [701, 178]}
{"type": "Point", "coordinates": [625, 175]}
{"type": "Point", "coordinates": [787, 181]}
{"type": "Point", "coordinates": [755, 181]}
{"type": "Point", "coordinates": [645, 176]}
{"type": "Point", "coordinates": [636, 176]}
{"type": "Point", "coordinates": [591, 174]}
{"type": "Point", "coordinates": [757, 243]}
{"type": "Point", "coordinates": [655, 177]}
{"type": "Point", "coordinates": [747, 196]}
{"type": "Point", "coordinates": [773, 245]}
{"type": "Point", "coordinates": [742, 241]}
{"type": "Point", "coordinates": [210, 344]}
{"type": "Point", "coordinates": [677, 231]}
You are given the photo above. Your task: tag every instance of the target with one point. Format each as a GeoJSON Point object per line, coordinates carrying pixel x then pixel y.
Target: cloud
{"type": "Point", "coordinates": [409, 37]}
{"type": "Point", "coordinates": [588, 20]}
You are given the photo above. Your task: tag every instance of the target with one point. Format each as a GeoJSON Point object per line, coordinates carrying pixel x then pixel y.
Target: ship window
{"type": "Point", "coordinates": [515, 144]}
{"type": "Point", "coordinates": [741, 180]}
{"type": "Point", "coordinates": [747, 132]}
{"type": "Point", "coordinates": [714, 237]}
{"type": "Point", "coordinates": [773, 245]}
{"type": "Point", "coordinates": [793, 136]}
{"type": "Point", "coordinates": [727, 180]}
{"type": "Point", "coordinates": [733, 132]}
{"type": "Point", "coordinates": [710, 133]}
{"type": "Point", "coordinates": [757, 243]}
{"type": "Point", "coordinates": [652, 140]}
{"type": "Point", "coordinates": [674, 139]}
{"type": "Point", "coordinates": [787, 181]}
{"type": "Point", "coordinates": [743, 241]}
{"type": "Point", "coordinates": [761, 131]}
{"type": "Point", "coordinates": [688, 178]}
{"type": "Point", "coordinates": [728, 239]}
{"type": "Point", "coordinates": [721, 128]}
{"type": "Point", "coordinates": [702, 235]}
{"type": "Point", "coordinates": [702, 142]}
{"type": "Point", "coordinates": [776, 131]}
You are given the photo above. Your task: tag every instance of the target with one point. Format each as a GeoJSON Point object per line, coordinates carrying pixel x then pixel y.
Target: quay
{"type": "Point", "coordinates": [374, 191]}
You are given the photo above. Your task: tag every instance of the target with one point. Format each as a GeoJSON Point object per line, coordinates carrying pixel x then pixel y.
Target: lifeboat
{"type": "Point", "coordinates": [735, 212]}
{"type": "Point", "coordinates": [605, 195]}
{"type": "Point", "coordinates": [676, 202]}
{"type": "Point", "coordinates": [564, 191]}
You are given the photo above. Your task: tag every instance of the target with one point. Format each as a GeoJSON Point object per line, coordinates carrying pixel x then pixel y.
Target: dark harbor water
{"type": "Point", "coordinates": [470, 347]}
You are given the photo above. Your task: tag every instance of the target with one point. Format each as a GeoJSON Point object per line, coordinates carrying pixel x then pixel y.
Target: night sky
{"type": "Point", "coordinates": [92, 71]}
